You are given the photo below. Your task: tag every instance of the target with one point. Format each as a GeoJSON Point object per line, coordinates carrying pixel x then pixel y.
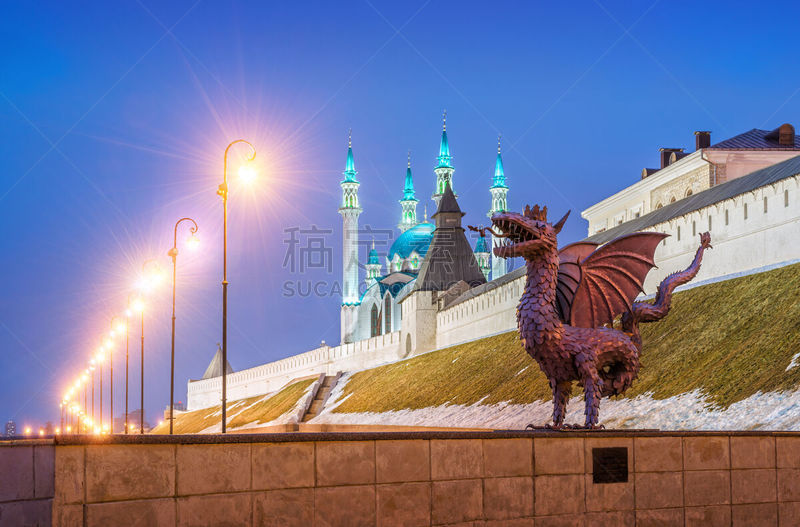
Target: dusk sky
{"type": "Point", "coordinates": [114, 118]}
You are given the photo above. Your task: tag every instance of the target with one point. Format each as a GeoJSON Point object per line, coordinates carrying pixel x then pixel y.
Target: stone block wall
{"type": "Point", "coordinates": [489, 479]}
{"type": "Point", "coordinates": [26, 482]}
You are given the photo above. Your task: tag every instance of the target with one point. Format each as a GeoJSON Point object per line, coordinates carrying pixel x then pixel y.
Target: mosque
{"type": "Point", "coordinates": [375, 311]}
{"type": "Point", "coordinates": [433, 289]}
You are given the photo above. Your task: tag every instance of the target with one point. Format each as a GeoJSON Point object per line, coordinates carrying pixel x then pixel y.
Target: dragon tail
{"type": "Point", "coordinates": [652, 312]}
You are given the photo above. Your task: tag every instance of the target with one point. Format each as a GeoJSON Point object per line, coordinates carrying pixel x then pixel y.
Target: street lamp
{"type": "Point", "coordinates": [98, 359]}
{"type": "Point", "coordinates": [247, 174]}
{"type": "Point", "coordinates": [173, 253]}
{"type": "Point", "coordinates": [116, 328]}
{"type": "Point", "coordinates": [149, 280]}
{"type": "Point", "coordinates": [91, 369]}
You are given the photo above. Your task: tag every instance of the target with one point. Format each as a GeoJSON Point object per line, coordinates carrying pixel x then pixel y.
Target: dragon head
{"type": "Point", "coordinates": [527, 234]}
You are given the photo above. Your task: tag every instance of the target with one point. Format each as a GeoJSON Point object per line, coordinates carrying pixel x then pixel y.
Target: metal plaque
{"type": "Point", "coordinates": [610, 465]}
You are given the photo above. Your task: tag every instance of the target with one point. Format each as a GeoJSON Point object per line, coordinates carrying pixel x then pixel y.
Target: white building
{"type": "Point", "coordinates": [753, 217]}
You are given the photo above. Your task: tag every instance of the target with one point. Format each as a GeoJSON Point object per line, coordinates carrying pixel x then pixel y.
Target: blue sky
{"type": "Point", "coordinates": [114, 118]}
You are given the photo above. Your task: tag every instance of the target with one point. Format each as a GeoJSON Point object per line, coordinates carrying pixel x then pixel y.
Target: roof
{"type": "Point", "coordinates": [215, 367]}
{"type": "Point", "coordinates": [373, 256]}
{"type": "Point", "coordinates": [450, 258]}
{"type": "Point", "coordinates": [392, 282]}
{"type": "Point", "coordinates": [448, 203]}
{"type": "Point", "coordinates": [416, 239]}
{"type": "Point", "coordinates": [755, 139]}
{"type": "Point", "coordinates": [722, 192]}
{"type": "Point", "coordinates": [480, 245]}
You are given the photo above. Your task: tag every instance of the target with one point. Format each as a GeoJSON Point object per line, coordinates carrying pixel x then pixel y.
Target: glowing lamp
{"type": "Point", "coordinates": [137, 305]}
{"type": "Point", "coordinates": [247, 174]}
{"type": "Point", "coordinates": [193, 242]}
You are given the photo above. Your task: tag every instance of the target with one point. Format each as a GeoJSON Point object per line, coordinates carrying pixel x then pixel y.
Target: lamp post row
{"type": "Point", "coordinates": [68, 413]}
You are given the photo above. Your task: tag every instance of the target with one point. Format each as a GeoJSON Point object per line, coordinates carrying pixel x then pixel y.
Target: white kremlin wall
{"type": "Point", "coordinates": [763, 239]}
{"type": "Point", "coordinates": [274, 375]}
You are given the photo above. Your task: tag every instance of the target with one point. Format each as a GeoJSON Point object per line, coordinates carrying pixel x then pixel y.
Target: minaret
{"type": "Point", "coordinates": [373, 266]}
{"type": "Point", "coordinates": [499, 190]}
{"type": "Point", "coordinates": [409, 202]}
{"type": "Point", "coordinates": [444, 168]}
{"type": "Point", "coordinates": [350, 210]}
{"type": "Point", "coordinates": [482, 255]}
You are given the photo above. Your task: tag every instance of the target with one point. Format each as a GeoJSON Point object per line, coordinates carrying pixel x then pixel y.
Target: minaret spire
{"type": "Point", "coordinates": [444, 166]}
{"type": "Point", "coordinates": [350, 209]}
{"type": "Point", "coordinates": [409, 201]}
{"type": "Point", "coordinates": [499, 192]}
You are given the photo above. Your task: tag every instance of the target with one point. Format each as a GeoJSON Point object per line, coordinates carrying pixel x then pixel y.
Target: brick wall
{"type": "Point", "coordinates": [432, 478]}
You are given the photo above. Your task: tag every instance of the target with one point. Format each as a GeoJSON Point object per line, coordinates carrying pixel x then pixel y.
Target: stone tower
{"type": "Point", "coordinates": [409, 202]}
{"type": "Point", "coordinates": [373, 266]}
{"type": "Point", "coordinates": [444, 168]}
{"type": "Point", "coordinates": [499, 191]}
{"type": "Point", "coordinates": [350, 209]}
{"type": "Point", "coordinates": [482, 255]}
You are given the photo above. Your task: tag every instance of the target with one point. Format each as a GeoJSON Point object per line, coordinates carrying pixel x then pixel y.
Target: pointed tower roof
{"type": "Point", "coordinates": [215, 367]}
{"type": "Point", "coordinates": [480, 245]}
{"type": "Point", "coordinates": [373, 256]}
{"type": "Point", "coordinates": [449, 259]}
{"type": "Point", "coordinates": [448, 204]}
{"type": "Point", "coordinates": [408, 190]}
{"type": "Point", "coordinates": [444, 157]}
{"type": "Point", "coordinates": [350, 165]}
{"type": "Point", "coordinates": [499, 180]}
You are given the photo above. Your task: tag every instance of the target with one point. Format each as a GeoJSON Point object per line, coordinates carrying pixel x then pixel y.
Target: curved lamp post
{"type": "Point", "coordinates": [173, 253]}
{"type": "Point", "coordinates": [222, 191]}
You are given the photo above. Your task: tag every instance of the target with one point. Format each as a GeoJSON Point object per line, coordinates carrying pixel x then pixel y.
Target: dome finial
{"type": "Point", "coordinates": [409, 159]}
{"type": "Point", "coordinates": [425, 214]}
{"type": "Point", "coordinates": [499, 136]}
{"type": "Point", "coordinates": [444, 121]}
{"type": "Point", "coordinates": [350, 138]}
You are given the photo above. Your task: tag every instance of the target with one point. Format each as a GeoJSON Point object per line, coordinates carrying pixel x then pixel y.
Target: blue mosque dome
{"type": "Point", "coordinates": [417, 238]}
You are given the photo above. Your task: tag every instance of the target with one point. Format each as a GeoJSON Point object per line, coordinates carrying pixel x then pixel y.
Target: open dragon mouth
{"type": "Point", "coordinates": [513, 238]}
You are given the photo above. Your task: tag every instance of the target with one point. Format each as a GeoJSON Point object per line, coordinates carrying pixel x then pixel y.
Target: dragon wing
{"type": "Point", "coordinates": [569, 275]}
{"type": "Point", "coordinates": [611, 277]}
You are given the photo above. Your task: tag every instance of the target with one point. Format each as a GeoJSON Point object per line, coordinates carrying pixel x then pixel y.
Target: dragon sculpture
{"type": "Point", "coordinates": [566, 315]}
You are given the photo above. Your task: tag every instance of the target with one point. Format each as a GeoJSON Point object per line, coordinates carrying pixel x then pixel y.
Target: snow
{"type": "Point", "coordinates": [688, 411]}
{"type": "Point", "coordinates": [794, 362]}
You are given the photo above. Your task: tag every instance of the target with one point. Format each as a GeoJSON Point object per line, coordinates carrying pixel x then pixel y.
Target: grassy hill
{"type": "Point", "coordinates": [252, 411]}
{"type": "Point", "coordinates": [729, 340]}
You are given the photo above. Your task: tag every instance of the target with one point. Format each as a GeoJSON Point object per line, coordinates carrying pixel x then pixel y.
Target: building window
{"type": "Point", "coordinates": [375, 322]}
{"type": "Point", "coordinates": [387, 314]}
{"type": "Point", "coordinates": [765, 204]}
{"type": "Point", "coordinates": [679, 233]}
{"type": "Point", "coordinates": [745, 211]}
{"type": "Point", "coordinates": [694, 228]}
{"type": "Point", "coordinates": [659, 206]}
{"type": "Point", "coordinates": [636, 215]}
{"type": "Point", "coordinates": [672, 199]}
{"type": "Point", "coordinates": [726, 216]}
{"type": "Point", "coordinates": [688, 193]}
{"type": "Point", "coordinates": [709, 223]}
{"type": "Point", "coordinates": [785, 198]}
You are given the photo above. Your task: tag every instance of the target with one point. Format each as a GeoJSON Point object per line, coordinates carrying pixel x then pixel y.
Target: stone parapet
{"type": "Point", "coordinates": [410, 478]}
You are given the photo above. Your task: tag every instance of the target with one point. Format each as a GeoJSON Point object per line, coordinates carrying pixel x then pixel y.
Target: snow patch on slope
{"type": "Point", "coordinates": [688, 411]}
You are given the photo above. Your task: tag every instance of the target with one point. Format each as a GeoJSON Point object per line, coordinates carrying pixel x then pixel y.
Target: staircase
{"type": "Point", "coordinates": [322, 395]}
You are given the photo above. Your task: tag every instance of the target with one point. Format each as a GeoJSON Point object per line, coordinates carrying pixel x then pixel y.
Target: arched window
{"type": "Point", "coordinates": [659, 206]}
{"type": "Point", "coordinates": [408, 345]}
{"type": "Point", "coordinates": [387, 314]}
{"type": "Point", "coordinates": [672, 199]}
{"type": "Point", "coordinates": [375, 322]}
{"type": "Point", "coordinates": [688, 193]}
